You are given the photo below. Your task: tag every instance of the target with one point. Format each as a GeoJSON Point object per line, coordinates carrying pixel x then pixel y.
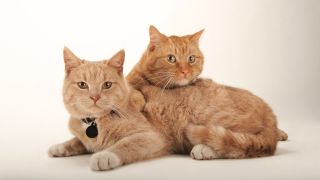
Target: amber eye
{"type": "Point", "coordinates": [82, 85]}
{"type": "Point", "coordinates": [171, 58]}
{"type": "Point", "coordinates": [107, 85]}
{"type": "Point", "coordinates": [192, 59]}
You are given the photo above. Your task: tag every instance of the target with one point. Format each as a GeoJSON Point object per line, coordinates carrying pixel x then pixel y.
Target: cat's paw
{"type": "Point", "coordinates": [58, 150]}
{"type": "Point", "coordinates": [105, 160]}
{"type": "Point", "coordinates": [203, 152]}
{"type": "Point", "coordinates": [137, 100]}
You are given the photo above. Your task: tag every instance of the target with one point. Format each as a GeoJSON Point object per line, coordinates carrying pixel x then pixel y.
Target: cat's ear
{"type": "Point", "coordinates": [155, 36]}
{"type": "Point", "coordinates": [117, 61]}
{"type": "Point", "coordinates": [70, 60]}
{"type": "Point", "coordinates": [196, 36]}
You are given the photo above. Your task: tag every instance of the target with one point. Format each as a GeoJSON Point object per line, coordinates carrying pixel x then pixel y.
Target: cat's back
{"type": "Point", "coordinates": [204, 102]}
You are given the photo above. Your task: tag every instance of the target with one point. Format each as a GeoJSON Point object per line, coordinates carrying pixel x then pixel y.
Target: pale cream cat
{"type": "Point", "coordinates": [213, 120]}
{"type": "Point", "coordinates": [104, 117]}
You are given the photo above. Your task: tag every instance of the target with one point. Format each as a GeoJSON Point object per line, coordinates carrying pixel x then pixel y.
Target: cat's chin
{"type": "Point", "coordinates": [98, 112]}
{"type": "Point", "coordinates": [90, 112]}
{"type": "Point", "coordinates": [182, 82]}
{"type": "Point", "coordinates": [94, 114]}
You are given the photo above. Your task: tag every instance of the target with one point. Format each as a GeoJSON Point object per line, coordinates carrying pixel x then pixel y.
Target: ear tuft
{"type": "Point", "coordinates": [117, 61]}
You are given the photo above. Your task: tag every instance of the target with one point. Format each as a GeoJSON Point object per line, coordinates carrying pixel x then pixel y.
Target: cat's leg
{"type": "Point", "coordinates": [212, 142]}
{"type": "Point", "coordinates": [282, 136]}
{"type": "Point", "coordinates": [133, 148]}
{"type": "Point", "coordinates": [69, 148]}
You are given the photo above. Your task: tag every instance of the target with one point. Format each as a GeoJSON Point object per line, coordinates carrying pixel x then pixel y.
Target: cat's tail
{"type": "Point", "coordinates": [282, 136]}
{"type": "Point", "coordinates": [230, 144]}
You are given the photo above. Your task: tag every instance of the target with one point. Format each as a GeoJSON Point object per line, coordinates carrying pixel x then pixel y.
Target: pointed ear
{"type": "Point", "coordinates": [117, 61]}
{"type": "Point", "coordinates": [196, 36]}
{"type": "Point", "coordinates": [155, 36]}
{"type": "Point", "coordinates": [70, 60]}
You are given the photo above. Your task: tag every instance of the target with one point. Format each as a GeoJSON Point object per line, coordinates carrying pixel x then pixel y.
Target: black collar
{"type": "Point", "coordinates": [92, 129]}
{"type": "Point", "coordinates": [88, 120]}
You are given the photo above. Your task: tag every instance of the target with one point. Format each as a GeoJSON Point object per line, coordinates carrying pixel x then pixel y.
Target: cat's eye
{"type": "Point", "coordinates": [171, 58]}
{"type": "Point", "coordinates": [82, 85]}
{"type": "Point", "coordinates": [107, 85]}
{"type": "Point", "coordinates": [192, 59]}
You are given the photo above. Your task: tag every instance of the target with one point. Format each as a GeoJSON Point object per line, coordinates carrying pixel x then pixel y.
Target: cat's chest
{"type": "Point", "coordinates": [90, 134]}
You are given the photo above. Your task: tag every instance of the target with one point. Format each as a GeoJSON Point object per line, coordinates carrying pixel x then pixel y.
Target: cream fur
{"type": "Point", "coordinates": [124, 136]}
{"type": "Point", "coordinates": [203, 152]}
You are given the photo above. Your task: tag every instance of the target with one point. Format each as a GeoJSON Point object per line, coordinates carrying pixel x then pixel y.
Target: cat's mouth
{"type": "Point", "coordinates": [184, 81]}
{"type": "Point", "coordinates": [95, 107]}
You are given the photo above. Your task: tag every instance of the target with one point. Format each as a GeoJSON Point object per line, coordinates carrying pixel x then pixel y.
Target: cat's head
{"type": "Point", "coordinates": [172, 61]}
{"type": "Point", "coordinates": [93, 88]}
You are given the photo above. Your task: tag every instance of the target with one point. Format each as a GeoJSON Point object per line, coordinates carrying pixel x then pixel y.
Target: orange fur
{"type": "Point", "coordinates": [124, 137]}
{"type": "Point", "coordinates": [191, 111]}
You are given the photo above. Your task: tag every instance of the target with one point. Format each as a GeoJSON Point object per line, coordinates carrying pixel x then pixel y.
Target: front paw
{"type": "Point", "coordinates": [203, 152]}
{"type": "Point", "coordinates": [137, 100]}
{"type": "Point", "coordinates": [58, 150]}
{"type": "Point", "coordinates": [105, 160]}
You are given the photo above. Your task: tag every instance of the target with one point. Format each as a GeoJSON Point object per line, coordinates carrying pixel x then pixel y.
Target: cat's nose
{"type": "Point", "coordinates": [95, 98]}
{"type": "Point", "coordinates": [185, 71]}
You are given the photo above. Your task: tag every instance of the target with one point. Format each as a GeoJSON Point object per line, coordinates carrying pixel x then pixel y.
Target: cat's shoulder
{"type": "Point", "coordinates": [205, 82]}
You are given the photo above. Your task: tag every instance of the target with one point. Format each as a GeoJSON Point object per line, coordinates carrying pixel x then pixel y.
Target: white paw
{"type": "Point", "coordinates": [203, 152]}
{"type": "Point", "coordinates": [104, 160]}
{"type": "Point", "coordinates": [57, 150]}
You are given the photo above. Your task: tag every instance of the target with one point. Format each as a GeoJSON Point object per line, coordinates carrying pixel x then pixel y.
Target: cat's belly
{"type": "Point", "coordinates": [171, 121]}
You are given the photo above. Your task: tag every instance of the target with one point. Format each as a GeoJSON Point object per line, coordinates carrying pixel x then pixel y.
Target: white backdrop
{"type": "Point", "coordinates": [271, 47]}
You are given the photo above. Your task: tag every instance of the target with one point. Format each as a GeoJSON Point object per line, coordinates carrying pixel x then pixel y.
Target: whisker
{"type": "Point", "coordinates": [163, 80]}
{"type": "Point", "coordinates": [157, 77]}
{"type": "Point", "coordinates": [164, 87]}
{"type": "Point", "coordinates": [163, 72]}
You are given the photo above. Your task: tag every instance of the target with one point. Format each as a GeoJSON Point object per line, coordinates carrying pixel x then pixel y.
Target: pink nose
{"type": "Point", "coordinates": [185, 71]}
{"type": "Point", "coordinates": [95, 98]}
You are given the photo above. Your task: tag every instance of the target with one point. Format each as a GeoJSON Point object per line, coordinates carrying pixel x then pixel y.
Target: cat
{"type": "Point", "coordinates": [199, 116]}
{"type": "Point", "coordinates": [104, 117]}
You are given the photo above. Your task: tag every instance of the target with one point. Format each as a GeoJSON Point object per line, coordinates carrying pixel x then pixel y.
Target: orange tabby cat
{"type": "Point", "coordinates": [103, 115]}
{"type": "Point", "coordinates": [213, 120]}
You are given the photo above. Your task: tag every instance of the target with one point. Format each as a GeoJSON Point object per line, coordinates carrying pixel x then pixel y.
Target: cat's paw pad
{"type": "Point", "coordinates": [203, 152]}
{"type": "Point", "coordinates": [57, 150]}
{"type": "Point", "coordinates": [104, 160]}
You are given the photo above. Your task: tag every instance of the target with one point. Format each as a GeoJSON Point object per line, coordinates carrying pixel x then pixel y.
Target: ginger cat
{"type": "Point", "coordinates": [103, 115]}
{"type": "Point", "coordinates": [199, 115]}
